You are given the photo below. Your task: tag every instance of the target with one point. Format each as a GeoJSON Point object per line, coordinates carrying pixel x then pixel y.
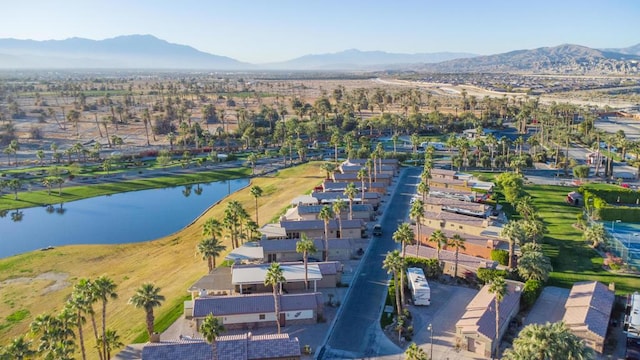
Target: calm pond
{"type": "Point", "coordinates": [112, 219]}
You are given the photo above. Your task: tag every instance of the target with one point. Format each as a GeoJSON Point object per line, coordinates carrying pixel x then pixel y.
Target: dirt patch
{"type": "Point", "coordinates": [59, 281]}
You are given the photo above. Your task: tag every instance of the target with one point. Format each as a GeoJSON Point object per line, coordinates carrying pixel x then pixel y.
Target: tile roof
{"type": "Point", "coordinates": [252, 304]}
{"type": "Point", "coordinates": [456, 218]}
{"type": "Point", "coordinates": [480, 314]}
{"type": "Point", "coordinates": [302, 225]}
{"type": "Point", "coordinates": [589, 305]}
{"type": "Point", "coordinates": [228, 347]}
{"type": "Point", "coordinates": [332, 195]}
{"type": "Point", "coordinates": [315, 209]}
{"type": "Point", "coordinates": [178, 349]}
{"type": "Point", "coordinates": [289, 245]}
{"type": "Point", "coordinates": [256, 273]}
{"type": "Point", "coordinates": [218, 279]}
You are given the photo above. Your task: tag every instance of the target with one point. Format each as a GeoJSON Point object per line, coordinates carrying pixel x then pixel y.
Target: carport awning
{"type": "Point", "coordinates": [246, 252]}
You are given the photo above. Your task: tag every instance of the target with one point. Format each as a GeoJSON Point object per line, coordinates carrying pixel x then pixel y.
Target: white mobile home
{"type": "Point", "coordinates": [420, 291]}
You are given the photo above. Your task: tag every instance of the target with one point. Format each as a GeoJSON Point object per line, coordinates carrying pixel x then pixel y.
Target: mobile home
{"type": "Point", "coordinates": [420, 291]}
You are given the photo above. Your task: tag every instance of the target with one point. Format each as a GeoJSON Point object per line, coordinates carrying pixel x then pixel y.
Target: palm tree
{"type": "Point", "coordinates": [325, 215]}
{"type": "Point", "coordinates": [109, 342]}
{"type": "Point", "coordinates": [514, 233]}
{"type": "Point", "coordinates": [439, 239]}
{"type": "Point", "coordinates": [394, 138]}
{"type": "Point", "coordinates": [497, 287]}
{"type": "Point", "coordinates": [337, 207]}
{"type": "Point", "coordinates": [423, 188]}
{"type": "Point", "coordinates": [211, 328]}
{"type": "Point", "coordinates": [275, 277]}
{"type": "Point", "coordinates": [457, 242]}
{"type": "Point", "coordinates": [417, 213]}
{"type": "Point", "coordinates": [147, 297]}
{"type": "Point", "coordinates": [19, 349]}
{"type": "Point", "coordinates": [351, 193]}
{"type": "Point", "coordinates": [305, 246]}
{"type": "Point", "coordinates": [394, 263]}
{"type": "Point", "coordinates": [596, 235]}
{"type": "Point", "coordinates": [256, 192]}
{"type": "Point", "coordinates": [533, 265]}
{"type": "Point", "coordinates": [403, 234]}
{"type": "Point", "coordinates": [104, 289]}
{"type": "Point", "coordinates": [83, 298]}
{"type": "Point", "coordinates": [211, 247]}
{"type": "Point", "coordinates": [328, 168]}
{"type": "Point", "coordinates": [362, 175]}
{"type": "Point", "coordinates": [549, 341]}
{"type": "Point", "coordinates": [414, 352]}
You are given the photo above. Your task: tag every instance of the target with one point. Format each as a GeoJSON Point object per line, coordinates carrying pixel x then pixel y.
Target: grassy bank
{"type": "Point", "coordinates": [170, 262]}
{"type": "Point", "coordinates": [572, 259]}
{"type": "Point", "coordinates": [72, 193]}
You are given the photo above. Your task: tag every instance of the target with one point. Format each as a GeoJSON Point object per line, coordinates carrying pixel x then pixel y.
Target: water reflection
{"type": "Point", "coordinates": [119, 218]}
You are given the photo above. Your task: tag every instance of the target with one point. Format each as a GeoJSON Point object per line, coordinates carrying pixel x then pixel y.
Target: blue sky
{"type": "Point", "coordinates": [261, 31]}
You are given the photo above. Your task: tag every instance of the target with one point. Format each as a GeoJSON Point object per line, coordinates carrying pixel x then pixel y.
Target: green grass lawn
{"type": "Point", "coordinates": [40, 197]}
{"type": "Point", "coordinates": [572, 259]}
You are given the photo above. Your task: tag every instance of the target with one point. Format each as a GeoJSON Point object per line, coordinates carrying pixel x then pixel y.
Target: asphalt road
{"type": "Point", "coordinates": [356, 332]}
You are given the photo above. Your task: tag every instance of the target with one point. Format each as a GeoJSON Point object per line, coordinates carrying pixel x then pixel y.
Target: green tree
{"type": "Point", "coordinates": [104, 289]}
{"type": "Point", "coordinates": [404, 235]}
{"type": "Point", "coordinates": [456, 242]}
{"type": "Point", "coordinates": [211, 328]}
{"type": "Point", "coordinates": [305, 246]}
{"type": "Point", "coordinates": [328, 168]}
{"type": "Point", "coordinates": [514, 233]}
{"type": "Point", "coordinates": [147, 297]}
{"type": "Point", "coordinates": [498, 287]}
{"type": "Point", "coordinates": [110, 341]}
{"type": "Point", "coordinates": [15, 185]}
{"type": "Point", "coordinates": [211, 247]}
{"type": "Point", "coordinates": [548, 342]}
{"type": "Point", "coordinates": [414, 352]}
{"type": "Point", "coordinates": [274, 278]}
{"type": "Point", "coordinates": [350, 192]}
{"type": "Point", "coordinates": [394, 264]}
{"type": "Point", "coordinates": [417, 213]}
{"type": "Point", "coordinates": [512, 186]}
{"type": "Point", "coordinates": [256, 192]}
{"type": "Point", "coordinates": [326, 214]}
{"type": "Point", "coordinates": [439, 239]}
{"type": "Point", "coordinates": [18, 349]}
{"type": "Point", "coordinates": [596, 235]}
{"type": "Point", "coordinates": [81, 300]}
{"type": "Point", "coordinates": [533, 265]}
{"type": "Point", "coordinates": [337, 207]}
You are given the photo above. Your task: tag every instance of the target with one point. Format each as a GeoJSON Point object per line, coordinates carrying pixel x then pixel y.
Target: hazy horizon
{"type": "Point", "coordinates": [263, 32]}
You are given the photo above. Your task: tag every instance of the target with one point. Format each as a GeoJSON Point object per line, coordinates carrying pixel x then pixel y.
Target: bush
{"type": "Point", "coordinates": [501, 256]}
{"type": "Point", "coordinates": [486, 275]}
{"type": "Point", "coordinates": [431, 267]}
{"type": "Point", "coordinates": [530, 293]}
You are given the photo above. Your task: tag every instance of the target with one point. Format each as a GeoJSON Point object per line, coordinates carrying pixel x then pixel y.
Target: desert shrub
{"type": "Point", "coordinates": [530, 293]}
{"type": "Point", "coordinates": [485, 275]}
{"type": "Point", "coordinates": [501, 256]}
{"type": "Point", "coordinates": [430, 267]}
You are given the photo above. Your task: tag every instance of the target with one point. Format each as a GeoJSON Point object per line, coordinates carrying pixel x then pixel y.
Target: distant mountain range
{"type": "Point", "coordinates": [149, 52]}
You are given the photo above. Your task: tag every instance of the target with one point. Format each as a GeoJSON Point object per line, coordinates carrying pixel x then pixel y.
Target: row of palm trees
{"type": "Point", "coordinates": [61, 336]}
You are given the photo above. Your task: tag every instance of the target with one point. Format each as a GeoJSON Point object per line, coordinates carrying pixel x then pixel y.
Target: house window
{"type": "Point", "coordinates": [262, 317]}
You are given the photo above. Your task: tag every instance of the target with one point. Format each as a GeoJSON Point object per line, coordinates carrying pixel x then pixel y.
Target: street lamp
{"type": "Point", "coordinates": [613, 223]}
{"type": "Point", "coordinates": [430, 328]}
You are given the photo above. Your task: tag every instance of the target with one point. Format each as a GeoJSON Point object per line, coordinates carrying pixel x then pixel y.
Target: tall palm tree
{"type": "Point", "coordinates": [417, 213]}
{"type": "Point", "coordinates": [514, 233]}
{"type": "Point", "coordinates": [19, 349]}
{"type": "Point", "coordinates": [337, 207]}
{"type": "Point", "coordinates": [498, 287]}
{"type": "Point", "coordinates": [362, 175]}
{"type": "Point", "coordinates": [83, 296]}
{"type": "Point", "coordinates": [404, 235]}
{"type": "Point", "coordinates": [423, 188]}
{"type": "Point", "coordinates": [256, 192]}
{"type": "Point", "coordinates": [328, 168]}
{"type": "Point", "coordinates": [275, 277]}
{"type": "Point", "coordinates": [350, 192]}
{"type": "Point", "coordinates": [439, 239]}
{"type": "Point", "coordinates": [548, 341]}
{"type": "Point", "coordinates": [326, 214]}
{"type": "Point", "coordinates": [533, 264]}
{"type": "Point", "coordinates": [394, 264]}
{"type": "Point", "coordinates": [211, 328]}
{"type": "Point", "coordinates": [305, 246]}
{"type": "Point", "coordinates": [211, 247]}
{"type": "Point", "coordinates": [104, 289]}
{"type": "Point", "coordinates": [457, 242]}
{"type": "Point", "coordinates": [147, 297]}
{"type": "Point", "coordinates": [110, 341]}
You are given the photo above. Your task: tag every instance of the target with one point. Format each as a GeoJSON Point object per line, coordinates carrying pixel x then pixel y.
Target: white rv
{"type": "Point", "coordinates": [420, 291]}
